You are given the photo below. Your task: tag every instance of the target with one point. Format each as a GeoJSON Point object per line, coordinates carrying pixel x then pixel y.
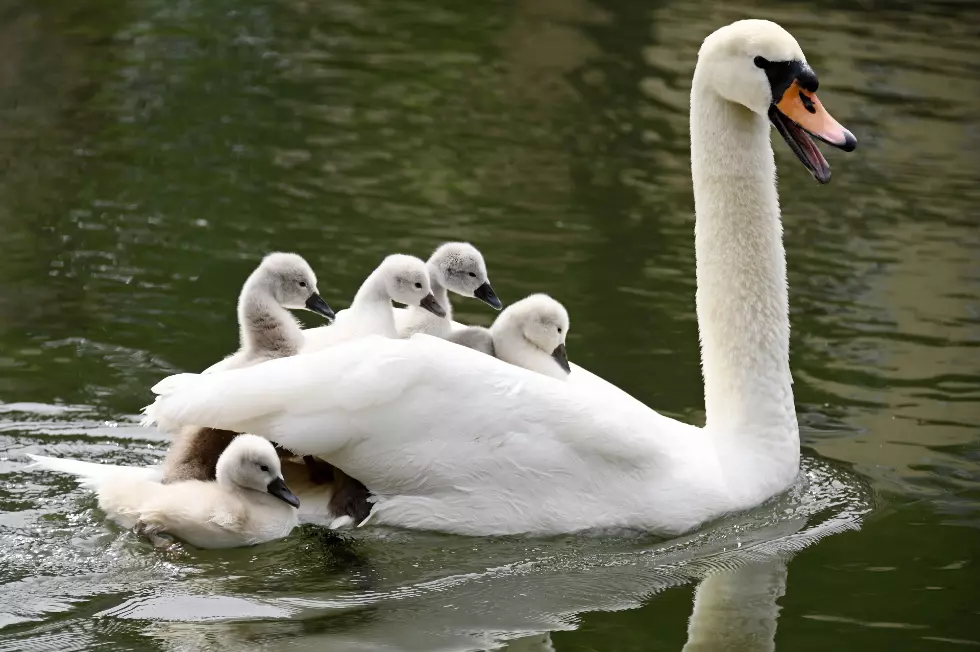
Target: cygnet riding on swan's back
{"type": "Point", "coordinates": [529, 333]}
{"type": "Point", "coordinates": [449, 439]}
{"type": "Point", "coordinates": [457, 267]}
{"type": "Point", "coordinates": [248, 503]}
{"type": "Point", "coordinates": [398, 278]}
{"type": "Point", "coordinates": [267, 331]}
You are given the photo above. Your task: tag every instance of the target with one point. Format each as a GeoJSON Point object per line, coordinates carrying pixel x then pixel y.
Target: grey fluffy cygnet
{"type": "Point", "coordinates": [456, 267]}
{"type": "Point", "coordinates": [247, 503]}
{"type": "Point", "coordinates": [267, 330]}
{"type": "Point", "coordinates": [529, 333]}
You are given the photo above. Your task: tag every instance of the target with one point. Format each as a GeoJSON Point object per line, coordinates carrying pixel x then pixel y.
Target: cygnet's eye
{"type": "Point", "coordinates": [473, 274]}
{"type": "Point", "coordinates": [559, 329]}
{"type": "Point", "coordinates": [418, 285]}
{"type": "Point", "coordinates": [265, 469]}
{"type": "Point", "coordinates": [302, 284]}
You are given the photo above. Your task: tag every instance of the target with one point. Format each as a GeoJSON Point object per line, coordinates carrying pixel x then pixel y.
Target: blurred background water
{"type": "Point", "coordinates": [151, 152]}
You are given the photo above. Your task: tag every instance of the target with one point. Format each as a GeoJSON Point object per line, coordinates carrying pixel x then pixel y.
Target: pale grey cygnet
{"type": "Point", "coordinates": [456, 267]}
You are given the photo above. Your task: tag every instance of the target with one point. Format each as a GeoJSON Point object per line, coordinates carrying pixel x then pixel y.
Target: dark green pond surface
{"type": "Point", "coordinates": [151, 152]}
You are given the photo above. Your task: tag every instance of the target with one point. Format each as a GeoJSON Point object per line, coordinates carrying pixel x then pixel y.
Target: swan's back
{"type": "Point", "coordinates": [502, 449]}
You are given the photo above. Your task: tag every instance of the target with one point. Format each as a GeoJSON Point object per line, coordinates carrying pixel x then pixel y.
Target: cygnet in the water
{"type": "Point", "coordinates": [248, 503]}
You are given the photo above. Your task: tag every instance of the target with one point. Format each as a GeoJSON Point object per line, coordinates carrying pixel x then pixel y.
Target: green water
{"type": "Point", "coordinates": [152, 151]}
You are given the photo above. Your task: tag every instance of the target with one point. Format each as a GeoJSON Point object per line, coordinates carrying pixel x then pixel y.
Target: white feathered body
{"type": "Point", "coordinates": [450, 439]}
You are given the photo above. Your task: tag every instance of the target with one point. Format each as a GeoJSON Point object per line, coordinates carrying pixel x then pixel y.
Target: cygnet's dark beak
{"type": "Point", "coordinates": [561, 357]}
{"type": "Point", "coordinates": [279, 489]}
{"type": "Point", "coordinates": [430, 304]}
{"type": "Point", "coordinates": [485, 293]}
{"type": "Point", "coordinates": [319, 306]}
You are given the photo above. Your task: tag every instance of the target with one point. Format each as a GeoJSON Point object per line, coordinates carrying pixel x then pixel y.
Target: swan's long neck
{"type": "Point", "coordinates": [742, 304]}
{"type": "Point", "coordinates": [266, 327]}
{"type": "Point", "coordinates": [372, 304]}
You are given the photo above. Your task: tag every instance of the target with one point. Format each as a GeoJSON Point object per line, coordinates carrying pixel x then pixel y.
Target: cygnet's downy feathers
{"type": "Point", "coordinates": [249, 502]}
{"type": "Point", "coordinates": [456, 267]}
{"type": "Point", "coordinates": [529, 333]}
{"type": "Point", "coordinates": [266, 329]}
{"type": "Point", "coordinates": [400, 278]}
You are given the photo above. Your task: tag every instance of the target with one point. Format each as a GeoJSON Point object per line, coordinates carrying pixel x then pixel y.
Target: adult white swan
{"type": "Point", "coordinates": [450, 439]}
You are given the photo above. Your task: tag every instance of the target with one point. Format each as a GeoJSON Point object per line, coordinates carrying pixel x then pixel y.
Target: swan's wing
{"type": "Point", "coordinates": [297, 398]}
{"type": "Point", "coordinates": [92, 475]}
{"type": "Point", "coordinates": [230, 362]}
{"type": "Point", "coordinates": [391, 394]}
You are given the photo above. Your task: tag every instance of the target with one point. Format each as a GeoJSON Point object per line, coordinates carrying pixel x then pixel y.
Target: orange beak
{"type": "Point", "coordinates": [799, 113]}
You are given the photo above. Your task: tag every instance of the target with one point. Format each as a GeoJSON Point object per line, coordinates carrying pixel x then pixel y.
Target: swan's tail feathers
{"type": "Point", "coordinates": [91, 475]}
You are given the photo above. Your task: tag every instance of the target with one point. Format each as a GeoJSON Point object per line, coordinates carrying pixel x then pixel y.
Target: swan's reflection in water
{"type": "Point", "coordinates": [736, 610]}
{"type": "Point", "coordinates": [436, 592]}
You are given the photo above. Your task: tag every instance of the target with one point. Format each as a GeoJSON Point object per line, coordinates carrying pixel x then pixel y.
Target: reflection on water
{"type": "Point", "coordinates": [151, 152]}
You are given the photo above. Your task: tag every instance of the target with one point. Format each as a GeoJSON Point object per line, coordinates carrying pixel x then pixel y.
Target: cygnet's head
{"type": "Point", "coordinates": [250, 462]}
{"type": "Point", "coordinates": [459, 267]}
{"type": "Point", "coordinates": [758, 64]}
{"type": "Point", "coordinates": [291, 282]}
{"type": "Point", "coordinates": [406, 280]}
{"type": "Point", "coordinates": [543, 323]}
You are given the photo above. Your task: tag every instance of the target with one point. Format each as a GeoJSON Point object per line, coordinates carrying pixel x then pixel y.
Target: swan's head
{"type": "Point", "coordinates": [406, 280]}
{"type": "Point", "coordinates": [758, 64]}
{"type": "Point", "coordinates": [541, 321]}
{"type": "Point", "coordinates": [251, 462]}
{"type": "Point", "coordinates": [291, 282]}
{"type": "Point", "coordinates": [459, 267]}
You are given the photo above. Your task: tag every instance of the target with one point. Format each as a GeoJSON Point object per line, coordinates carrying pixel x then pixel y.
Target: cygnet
{"type": "Point", "coordinates": [529, 333]}
{"type": "Point", "coordinates": [248, 503]}
{"type": "Point", "coordinates": [399, 278]}
{"type": "Point", "coordinates": [267, 331]}
{"type": "Point", "coordinates": [459, 268]}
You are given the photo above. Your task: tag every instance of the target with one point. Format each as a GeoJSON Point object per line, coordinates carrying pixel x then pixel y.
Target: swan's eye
{"type": "Point", "coordinates": [473, 274]}
{"type": "Point", "coordinates": [302, 284]}
{"type": "Point", "coordinates": [418, 285]}
{"type": "Point", "coordinates": [559, 329]}
{"type": "Point", "coordinates": [761, 62]}
{"type": "Point", "coordinates": [265, 469]}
